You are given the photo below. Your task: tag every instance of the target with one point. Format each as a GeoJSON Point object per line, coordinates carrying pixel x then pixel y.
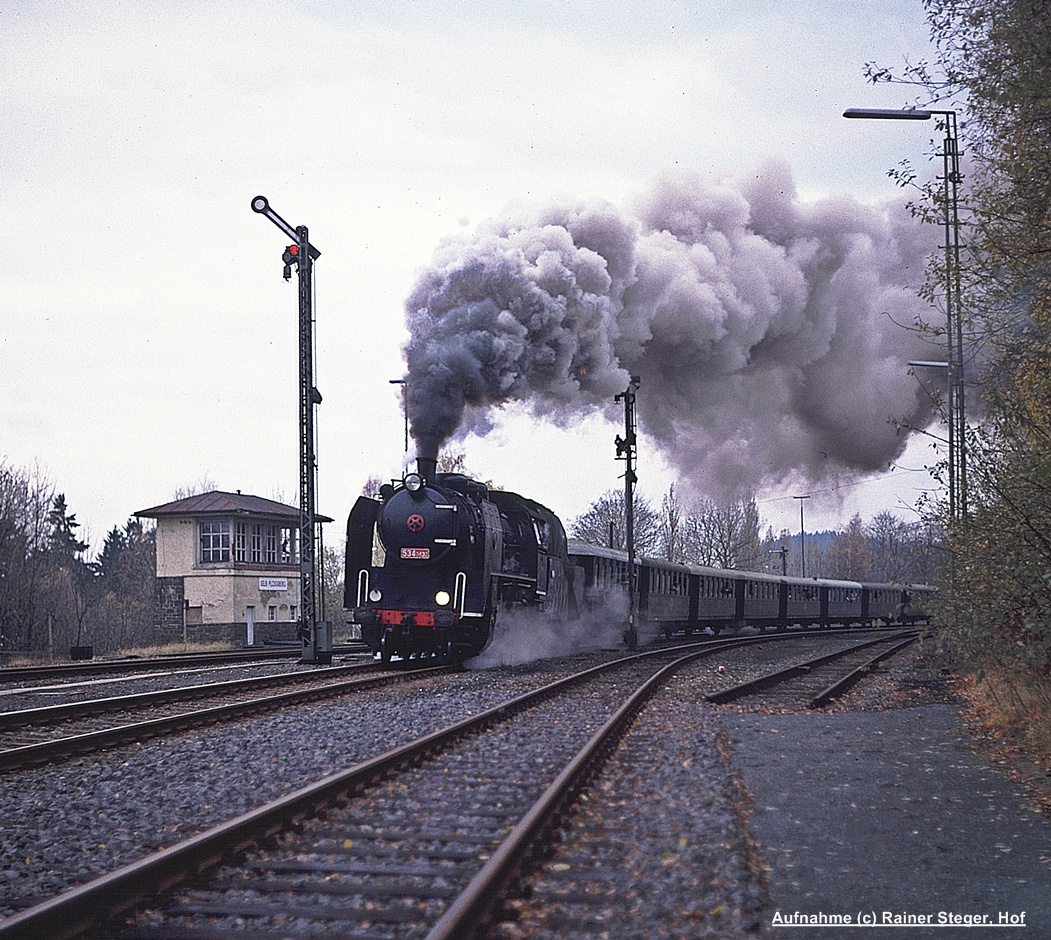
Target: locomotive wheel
{"type": "Point", "coordinates": [385, 647]}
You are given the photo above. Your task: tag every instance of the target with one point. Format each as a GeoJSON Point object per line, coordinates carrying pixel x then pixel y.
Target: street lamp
{"type": "Point", "coordinates": [802, 533]}
{"type": "Point", "coordinates": [953, 314]}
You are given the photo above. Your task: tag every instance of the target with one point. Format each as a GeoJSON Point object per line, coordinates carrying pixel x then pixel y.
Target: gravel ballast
{"type": "Point", "coordinates": [669, 842]}
{"type": "Point", "coordinates": [65, 824]}
{"type": "Point", "coordinates": [658, 848]}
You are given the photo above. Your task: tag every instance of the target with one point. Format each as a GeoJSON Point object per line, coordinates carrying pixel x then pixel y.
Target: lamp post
{"type": "Point", "coordinates": [802, 533]}
{"type": "Point", "coordinates": [953, 314]}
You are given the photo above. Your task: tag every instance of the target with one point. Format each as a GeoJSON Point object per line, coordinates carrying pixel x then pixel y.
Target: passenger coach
{"type": "Point", "coordinates": [674, 598]}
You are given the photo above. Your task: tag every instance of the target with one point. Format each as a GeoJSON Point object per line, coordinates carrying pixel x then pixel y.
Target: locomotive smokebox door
{"type": "Point", "coordinates": [416, 529]}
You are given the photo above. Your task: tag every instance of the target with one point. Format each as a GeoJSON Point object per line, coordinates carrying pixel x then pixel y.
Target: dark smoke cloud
{"type": "Point", "coordinates": [768, 333]}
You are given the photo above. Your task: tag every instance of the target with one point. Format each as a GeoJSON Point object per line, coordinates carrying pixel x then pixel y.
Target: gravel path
{"type": "Point", "coordinates": [891, 810]}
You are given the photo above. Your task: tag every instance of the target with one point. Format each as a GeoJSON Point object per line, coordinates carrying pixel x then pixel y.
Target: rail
{"type": "Point", "coordinates": [780, 676]}
{"type": "Point", "coordinates": [70, 914]}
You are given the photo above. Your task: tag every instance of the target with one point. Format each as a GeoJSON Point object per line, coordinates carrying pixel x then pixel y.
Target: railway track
{"type": "Point", "coordinates": [817, 681]}
{"type": "Point", "coordinates": [423, 840]}
{"type": "Point", "coordinates": [131, 665]}
{"type": "Point", "coordinates": [398, 838]}
{"type": "Point", "coordinates": [52, 733]}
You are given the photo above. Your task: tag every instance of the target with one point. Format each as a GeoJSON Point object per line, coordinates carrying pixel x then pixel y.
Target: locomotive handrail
{"type": "Point", "coordinates": [460, 591]}
{"type": "Point", "coordinates": [363, 587]}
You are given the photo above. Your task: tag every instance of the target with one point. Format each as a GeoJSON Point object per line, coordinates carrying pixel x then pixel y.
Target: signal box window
{"type": "Point", "coordinates": [215, 541]}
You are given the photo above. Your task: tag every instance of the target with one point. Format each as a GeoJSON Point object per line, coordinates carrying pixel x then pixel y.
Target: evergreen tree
{"type": "Point", "coordinates": [63, 542]}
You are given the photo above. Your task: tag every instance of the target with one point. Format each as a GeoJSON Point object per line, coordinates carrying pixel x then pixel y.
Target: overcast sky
{"type": "Point", "coordinates": [148, 338]}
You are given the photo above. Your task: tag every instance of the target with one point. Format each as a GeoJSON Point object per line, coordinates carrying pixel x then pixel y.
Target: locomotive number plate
{"type": "Point", "coordinates": [415, 553]}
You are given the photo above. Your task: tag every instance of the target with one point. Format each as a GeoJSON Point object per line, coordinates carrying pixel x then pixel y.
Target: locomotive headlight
{"type": "Point", "coordinates": [375, 595]}
{"type": "Point", "coordinates": [441, 598]}
{"type": "Point", "coordinates": [413, 482]}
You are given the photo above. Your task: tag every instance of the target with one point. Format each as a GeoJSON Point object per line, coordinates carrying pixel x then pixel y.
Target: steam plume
{"type": "Point", "coordinates": [768, 333]}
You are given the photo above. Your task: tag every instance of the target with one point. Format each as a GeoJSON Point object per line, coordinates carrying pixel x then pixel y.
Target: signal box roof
{"type": "Point", "coordinates": [218, 503]}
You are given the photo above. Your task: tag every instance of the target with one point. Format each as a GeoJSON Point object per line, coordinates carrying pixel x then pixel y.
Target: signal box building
{"type": "Point", "coordinates": [227, 568]}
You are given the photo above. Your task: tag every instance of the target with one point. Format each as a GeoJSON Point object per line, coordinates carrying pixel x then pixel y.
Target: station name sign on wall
{"type": "Point", "coordinates": [273, 584]}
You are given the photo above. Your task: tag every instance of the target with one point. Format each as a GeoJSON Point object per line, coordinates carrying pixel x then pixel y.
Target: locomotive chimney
{"type": "Point", "coordinates": [427, 467]}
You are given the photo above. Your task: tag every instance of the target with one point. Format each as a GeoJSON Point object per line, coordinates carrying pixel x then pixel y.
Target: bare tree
{"type": "Point", "coordinates": [25, 501]}
{"type": "Point", "coordinates": [603, 524]}
{"type": "Point", "coordinates": [890, 543]}
{"type": "Point", "coordinates": [723, 537]}
{"type": "Point", "coordinates": [672, 529]}
{"type": "Point", "coordinates": [849, 557]}
{"type": "Point", "coordinates": [203, 484]}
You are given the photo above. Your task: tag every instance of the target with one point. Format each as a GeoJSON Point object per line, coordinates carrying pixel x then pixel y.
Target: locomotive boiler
{"type": "Point", "coordinates": [434, 558]}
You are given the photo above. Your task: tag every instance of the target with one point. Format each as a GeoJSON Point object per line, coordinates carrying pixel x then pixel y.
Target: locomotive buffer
{"type": "Point", "coordinates": [314, 634]}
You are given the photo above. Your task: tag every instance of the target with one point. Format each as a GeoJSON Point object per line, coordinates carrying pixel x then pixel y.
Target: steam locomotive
{"type": "Point", "coordinates": [436, 557]}
{"type": "Point", "coordinates": [430, 563]}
